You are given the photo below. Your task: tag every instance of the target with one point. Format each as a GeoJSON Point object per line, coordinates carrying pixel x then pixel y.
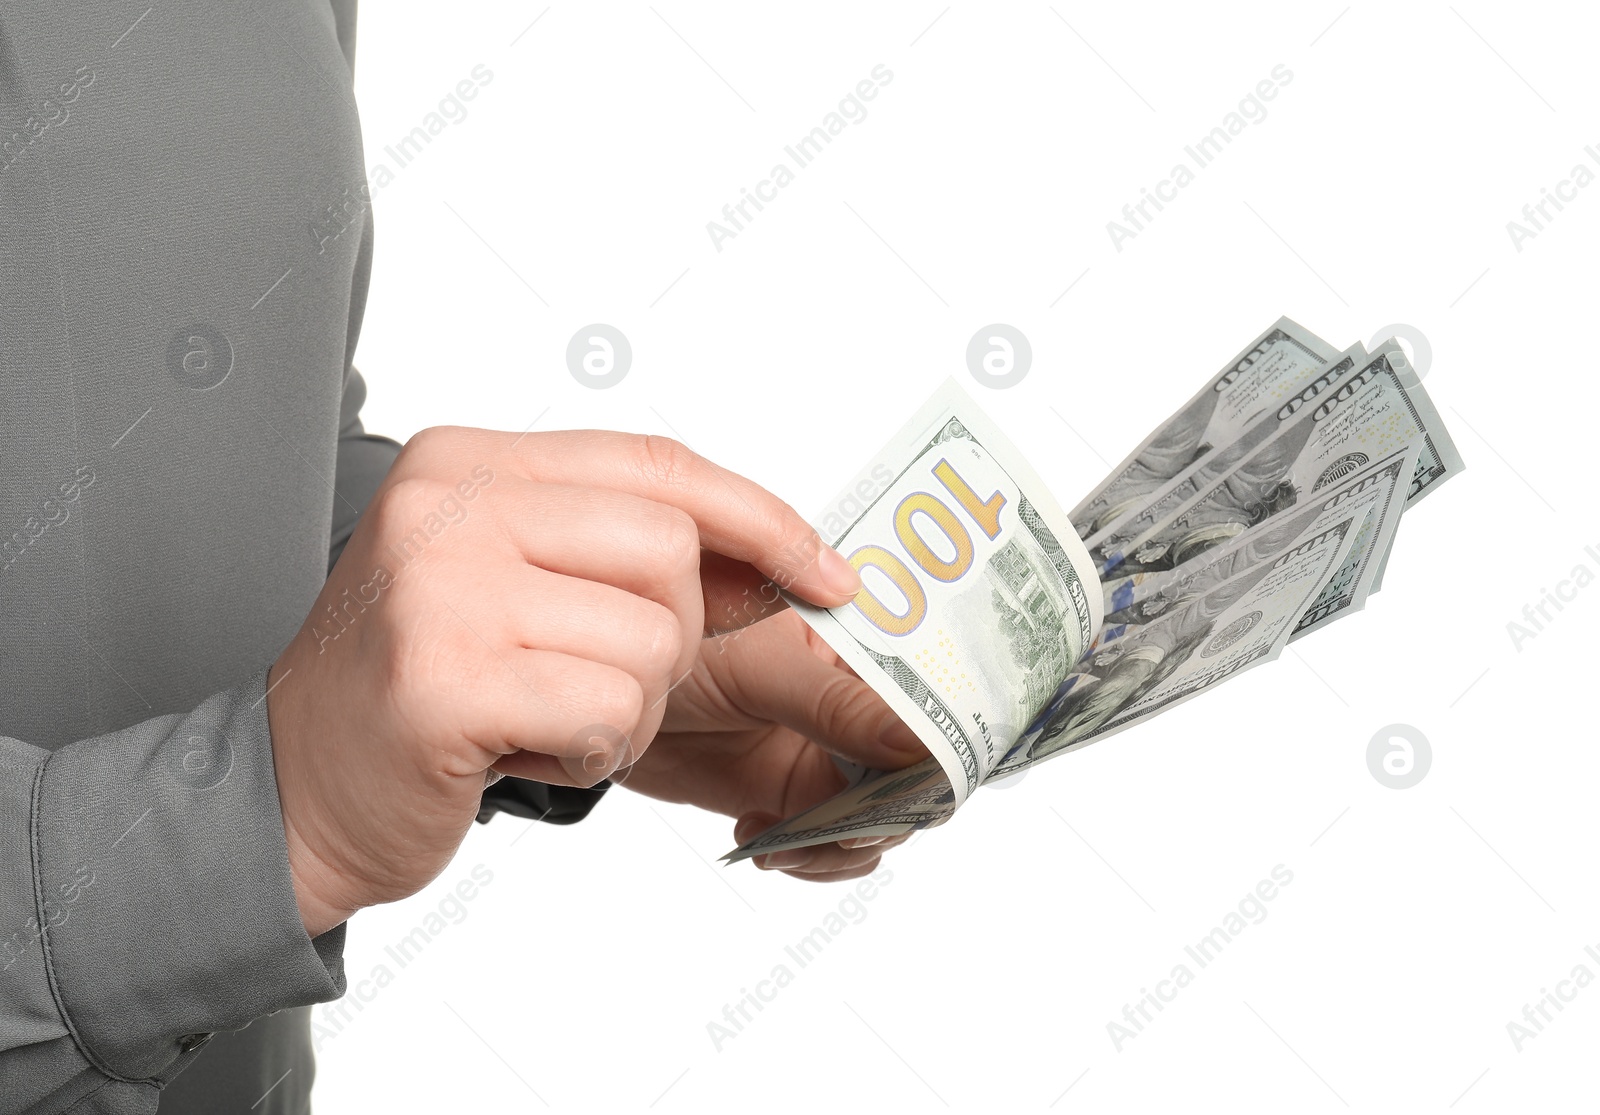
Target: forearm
{"type": "Point", "coordinates": [147, 902]}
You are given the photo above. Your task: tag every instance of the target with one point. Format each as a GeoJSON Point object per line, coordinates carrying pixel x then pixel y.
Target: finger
{"type": "Point", "coordinates": [736, 517]}
{"type": "Point", "coordinates": [645, 548]}
{"type": "Point", "coordinates": [737, 594]}
{"type": "Point", "coordinates": [752, 825]}
{"type": "Point", "coordinates": [836, 876]}
{"type": "Point", "coordinates": [789, 676]}
{"type": "Point", "coordinates": [818, 859]}
{"type": "Point", "coordinates": [882, 843]}
{"type": "Point", "coordinates": [579, 717]}
{"type": "Point", "coordinates": [538, 609]}
{"type": "Point", "coordinates": [586, 770]}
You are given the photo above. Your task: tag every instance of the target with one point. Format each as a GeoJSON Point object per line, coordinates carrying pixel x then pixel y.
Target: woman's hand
{"type": "Point", "coordinates": [752, 731]}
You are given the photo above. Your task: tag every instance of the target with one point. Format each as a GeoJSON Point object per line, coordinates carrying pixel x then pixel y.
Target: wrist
{"type": "Point", "coordinates": [311, 878]}
{"type": "Point", "coordinates": [309, 873]}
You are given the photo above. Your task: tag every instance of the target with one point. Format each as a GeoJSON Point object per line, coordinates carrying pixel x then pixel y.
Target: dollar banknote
{"type": "Point", "coordinates": [1138, 598]}
{"type": "Point", "coordinates": [1373, 410]}
{"type": "Point", "coordinates": [1265, 426]}
{"type": "Point", "coordinates": [1383, 563]}
{"type": "Point", "coordinates": [1006, 633]}
{"type": "Point", "coordinates": [1382, 486]}
{"type": "Point", "coordinates": [977, 594]}
{"type": "Point", "coordinates": [887, 803]}
{"type": "Point", "coordinates": [1241, 622]}
{"type": "Point", "coordinates": [1259, 379]}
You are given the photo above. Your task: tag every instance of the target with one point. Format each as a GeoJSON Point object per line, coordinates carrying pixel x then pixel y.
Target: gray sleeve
{"type": "Point", "coordinates": [363, 459]}
{"type": "Point", "coordinates": [363, 462]}
{"type": "Point", "coordinates": [145, 897]}
{"type": "Point", "coordinates": [146, 903]}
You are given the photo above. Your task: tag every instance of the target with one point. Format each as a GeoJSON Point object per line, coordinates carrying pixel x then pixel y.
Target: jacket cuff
{"type": "Point", "coordinates": [540, 801]}
{"type": "Point", "coordinates": [162, 878]}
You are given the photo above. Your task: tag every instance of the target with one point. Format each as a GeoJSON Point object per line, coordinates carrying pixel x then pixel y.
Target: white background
{"type": "Point", "coordinates": [1376, 190]}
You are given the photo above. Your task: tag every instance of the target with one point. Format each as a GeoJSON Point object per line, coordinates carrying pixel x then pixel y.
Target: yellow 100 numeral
{"type": "Point", "coordinates": [984, 512]}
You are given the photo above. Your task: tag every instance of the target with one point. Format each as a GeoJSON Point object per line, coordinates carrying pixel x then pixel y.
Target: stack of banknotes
{"type": "Point", "coordinates": [1007, 632]}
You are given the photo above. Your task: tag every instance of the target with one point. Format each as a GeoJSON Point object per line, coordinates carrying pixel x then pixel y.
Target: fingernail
{"type": "Point", "coordinates": [753, 825]}
{"type": "Point", "coordinates": [777, 861]}
{"type": "Point", "coordinates": [897, 734]}
{"type": "Point", "coordinates": [592, 769]}
{"type": "Point", "coordinates": [837, 573]}
{"type": "Point", "coordinates": [861, 841]}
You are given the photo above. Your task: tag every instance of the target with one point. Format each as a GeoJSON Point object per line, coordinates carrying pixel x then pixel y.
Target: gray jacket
{"type": "Point", "coordinates": [185, 241]}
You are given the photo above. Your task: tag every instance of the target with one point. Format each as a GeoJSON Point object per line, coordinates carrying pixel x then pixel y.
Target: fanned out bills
{"type": "Point", "coordinates": [1377, 406]}
{"type": "Point", "coordinates": [1266, 374]}
{"type": "Point", "coordinates": [1140, 598]}
{"type": "Point", "coordinates": [1177, 492]}
{"type": "Point", "coordinates": [1006, 633]}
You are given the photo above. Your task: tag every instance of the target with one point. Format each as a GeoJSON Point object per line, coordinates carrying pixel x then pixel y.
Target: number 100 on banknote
{"type": "Point", "coordinates": [977, 597]}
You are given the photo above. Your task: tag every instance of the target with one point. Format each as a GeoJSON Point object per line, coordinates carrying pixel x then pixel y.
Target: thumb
{"type": "Point", "coordinates": [790, 684]}
{"type": "Point", "coordinates": [752, 825]}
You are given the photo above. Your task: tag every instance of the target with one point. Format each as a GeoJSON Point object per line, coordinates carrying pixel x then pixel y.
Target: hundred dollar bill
{"type": "Point", "coordinates": [977, 594]}
{"type": "Point", "coordinates": [1239, 623]}
{"type": "Point", "coordinates": [1260, 429]}
{"type": "Point", "coordinates": [1243, 622]}
{"type": "Point", "coordinates": [1384, 485]}
{"type": "Point", "coordinates": [1277, 365]}
{"type": "Point", "coordinates": [886, 804]}
{"type": "Point", "coordinates": [1373, 411]}
{"type": "Point", "coordinates": [1383, 563]}
{"type": "Point", "coordinates": [1139, 598]}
